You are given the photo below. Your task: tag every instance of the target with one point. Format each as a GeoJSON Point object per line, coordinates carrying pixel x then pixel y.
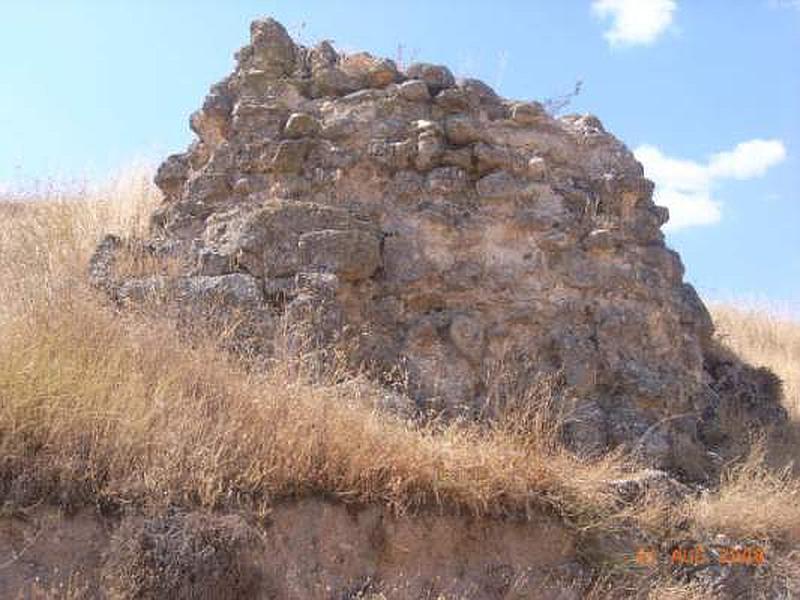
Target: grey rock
{"type": "Point", "coordinates": [322, 56]}
{"type": "Point", "coordinates": [584, 429]}
{"type": "Point", "coordinates": [430, 147]}
{"type": "Point", "coordinates": [453, 100]}
{"type": "Point", "coordinates": [101, 264]}
{"type": "Point", "coordinates": [437, 77]}
{"type": "Point", "coordinates": [143, 289]}
{"type": "Point", "coordinates": [461, 130]}
{"type": "Point", "coordinates": [478, 89]}
{"type": "Point", "coordinates": [527, 113]}
{"type": "Point", "coordinates": [300, 125]}
{"type": "Point", "coordinates": [537, 168]}
{"type": "Point", "coordinates": [350, 254]}
{"type": "Point", "coordinates": [414, 90]}
{"type": "Point", "coordinates": [397, 155]}
{"type": "Point", "coordinates": [290, 156]}
{"type": "Point", "coordinates": [447, 180]}
{"type": "Point", "coordinates": [237, 289]}
{"type": "Point", "coordinates": [468, 336]}
{"type": "Point", "coordinates": [370, 71]}
{"type": "Point", "coordinates": [491, 158]}
{"type": "Point", "coordinates": [458, 157]}
{"type": "Point", "coordinates": [172, 174]}
{"type": "Point", "coordinates": [273, 50]}
{"type": "Point", "coordinates": [333, 81]}
{"type": "Point", "coordinates": [649, 481]}
{"type": "Point", "coordinates": [498, 185]}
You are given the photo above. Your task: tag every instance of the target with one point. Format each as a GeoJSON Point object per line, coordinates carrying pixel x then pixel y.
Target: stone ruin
{"type": "Point", "coordinates": [448, 233]}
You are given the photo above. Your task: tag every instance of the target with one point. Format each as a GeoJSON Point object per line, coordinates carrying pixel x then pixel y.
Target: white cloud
{"type": "Point", "coordinates": [689, 208]}
{"type": "Point", "coordinates": [682, 174]}
{"type": "Point", "coordinates": [795, 4]}
{"type": "Point", "coordinates": [635, 21]}
{"type": "Point", "coordinates": [685, 186]}
{"type": "Point", "coordinates": [748, 159]}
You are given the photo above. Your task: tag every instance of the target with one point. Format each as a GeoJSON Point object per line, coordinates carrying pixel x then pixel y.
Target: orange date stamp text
{"type": "Point", "coordinates": [698, 555]}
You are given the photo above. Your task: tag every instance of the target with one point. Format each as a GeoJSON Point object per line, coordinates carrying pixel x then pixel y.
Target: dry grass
{"type": "Point", "coordinates": [756, 505]}
{"type": "Point", "coordinates": [46, 241]}
{"type": "Point", "coordinates": [758, 497]}
{"type": "Point", "coordinates": [753, 502]}
{"type": "Point", "coordinates": [210, 556]}
{"type": "Point", "coordinates": [98, 407]}
{"type": "Point", "coordinates": [124, 412]}
{"type": "Point", "coordinates": [73, 589]}
{"type": "Point", "coordinates": [101, 407]}
{"type": "Point", "coordinates": [767, 340]}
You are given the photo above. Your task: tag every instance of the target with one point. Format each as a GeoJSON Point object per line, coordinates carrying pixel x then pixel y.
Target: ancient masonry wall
{"type": "Point", "coordinates": [448, 231]}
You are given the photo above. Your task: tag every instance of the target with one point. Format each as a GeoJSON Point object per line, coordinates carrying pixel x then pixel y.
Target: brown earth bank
{"type": "Point", "coordinates": [307, 549]}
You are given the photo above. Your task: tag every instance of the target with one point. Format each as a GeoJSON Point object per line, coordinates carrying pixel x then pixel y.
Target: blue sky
{"type": "Point", "coordinates": [707, 93]}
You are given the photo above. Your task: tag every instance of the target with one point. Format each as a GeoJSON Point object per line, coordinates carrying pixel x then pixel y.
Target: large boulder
{"type": "Point", "coordinates": [457, 236]}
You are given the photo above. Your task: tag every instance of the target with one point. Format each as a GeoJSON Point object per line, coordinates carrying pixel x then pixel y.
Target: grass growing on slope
{"type": "Point", "coordinates": [764, 339]}
{"type": "Point", "coordinates": [99, 406]}
{"type": "Point", "coordinates": [115, 409]}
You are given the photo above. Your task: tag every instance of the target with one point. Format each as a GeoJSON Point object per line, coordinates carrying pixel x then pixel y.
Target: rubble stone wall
{"type": "Point", "coordinates": [449, 231]}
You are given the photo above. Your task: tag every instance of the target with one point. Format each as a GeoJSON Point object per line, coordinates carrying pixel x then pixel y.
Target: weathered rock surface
{"type": "Point", "coordinates": [446, 231]}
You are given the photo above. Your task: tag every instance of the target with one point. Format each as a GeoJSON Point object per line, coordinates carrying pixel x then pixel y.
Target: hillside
{"type": "Point", "coordinates": [139, 459]}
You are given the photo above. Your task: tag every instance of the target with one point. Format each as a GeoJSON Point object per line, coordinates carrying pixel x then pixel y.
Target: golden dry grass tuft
{"type": "Point", "coordinates": [753, 502]}
{"type": "Point", "coordinates": [764, 339]}
{"type": "Point", "coordinates": [45, 241]}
